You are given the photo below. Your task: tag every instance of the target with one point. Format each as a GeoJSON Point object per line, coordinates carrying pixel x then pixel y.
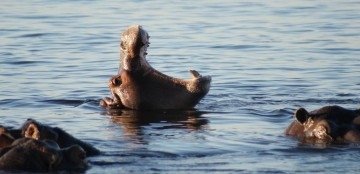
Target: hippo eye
{"type": "Point", "coordinates": [116, 82]}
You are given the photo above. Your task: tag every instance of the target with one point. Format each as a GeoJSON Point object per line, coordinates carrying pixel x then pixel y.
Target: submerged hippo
{"type": "Point", "coordinates": [33, 129]}
{"type": "Point", "coordinates": [8, 136]}
{"type": "Point", "coordinates": [32, 155]}
{"type": "Point", "coordinates": [325, 125]}
{"type": "Point", "coordinates": [139, 86]}
{"type": "Point", "coordinates": [36, 130]}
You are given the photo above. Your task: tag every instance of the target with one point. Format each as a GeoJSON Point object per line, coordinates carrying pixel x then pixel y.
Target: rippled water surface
{"type": "Point", "coordinates": [266, 58]}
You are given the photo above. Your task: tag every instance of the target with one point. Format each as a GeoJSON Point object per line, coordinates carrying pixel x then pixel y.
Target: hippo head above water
{"type": "Point", "coordinates": [329, 124]}
{"type": "Point", "coordinates": [32, 155]}
{"type": "Point", "coordinates": [139, 86]}
{"type": "Point", "coordinates": [133, 48]}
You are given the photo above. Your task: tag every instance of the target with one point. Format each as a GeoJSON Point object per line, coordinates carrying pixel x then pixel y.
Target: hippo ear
{"type": "Point", "coordinates": [32, 131]}
{"type": "Point", "coordinates": [301, 115]}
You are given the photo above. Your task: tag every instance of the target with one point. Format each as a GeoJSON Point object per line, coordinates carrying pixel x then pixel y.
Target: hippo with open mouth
{"type": "Point", "coordinates": [139, 86]}
{"type": "Point", "coordinates": [329, 124]}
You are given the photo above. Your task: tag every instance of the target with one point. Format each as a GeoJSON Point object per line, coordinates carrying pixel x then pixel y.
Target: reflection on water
{"type": "Point", "coordinates": [132, 121]}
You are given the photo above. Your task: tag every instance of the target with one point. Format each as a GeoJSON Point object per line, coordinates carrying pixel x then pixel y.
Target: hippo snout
{"type": "Point", "coordinates": [114, 102]}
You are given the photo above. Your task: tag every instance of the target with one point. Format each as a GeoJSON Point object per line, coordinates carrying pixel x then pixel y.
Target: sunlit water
{"type": "Point", "coordinates": [266, 58]}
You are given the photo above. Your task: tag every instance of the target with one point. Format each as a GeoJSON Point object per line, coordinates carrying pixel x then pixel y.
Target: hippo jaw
{"type": "Point", "coordinates": [133, 47]}
{"type": "Point", "coordinates": [199, 84]}
{"type": "Point", "coordinates": [73, 158]}
{"type": "Point", "coordinates": [115, 101]}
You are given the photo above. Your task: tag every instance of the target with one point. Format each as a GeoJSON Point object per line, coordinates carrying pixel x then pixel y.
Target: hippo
{"type": "Point", "coordinates": [8, 136]}
{"type": "Point", "coordinates": [34, 129]}
{"type": "Point", "coordinates": [329, 124]}
{"type": "Point", "coordinates": [139, 86]}
{"type": "Point", "coordinates": [27, 154]}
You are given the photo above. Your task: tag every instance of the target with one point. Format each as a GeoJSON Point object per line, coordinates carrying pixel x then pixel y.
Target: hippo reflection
{"type": "Point", "coordinates": [139, 86]}
{"type": "Point", "coordinates": [132, 121]}
{"type": "Point", "coordinates": [329, 124]}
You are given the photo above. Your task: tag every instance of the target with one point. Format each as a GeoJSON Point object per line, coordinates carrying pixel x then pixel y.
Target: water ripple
{"type": "Point", "coordinates": [19, 62]}
{"type": "Point", "coordinates": [74, 103]}
{"type": "Point", "coordinates": [35, 35]}
{"type": "Point", "coordinates": [236, 47]}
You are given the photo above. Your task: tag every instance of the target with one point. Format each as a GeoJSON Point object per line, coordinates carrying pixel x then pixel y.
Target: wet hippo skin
{"type": "Point", "coordinates": [34, 129]}
{"type": "Point", "coordinates": [139, 86]}
{"type": "Point", "coordinates": [8, 136]}
{"type": "Point", "coordinates": [329, 124]}
{"type": "Point", "coordinates": [27, 154]}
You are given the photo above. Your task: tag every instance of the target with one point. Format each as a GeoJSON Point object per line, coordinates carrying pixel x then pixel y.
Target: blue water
{"type": "Point", "coordinates": [266, 59]}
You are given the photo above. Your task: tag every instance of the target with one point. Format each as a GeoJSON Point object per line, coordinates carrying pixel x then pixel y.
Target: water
{"type": "Point", "coordinates": [266, 58]}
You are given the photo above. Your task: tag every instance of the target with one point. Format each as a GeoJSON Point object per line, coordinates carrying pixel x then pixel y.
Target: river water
{"type": "Point", "coordinates": [266, 59]}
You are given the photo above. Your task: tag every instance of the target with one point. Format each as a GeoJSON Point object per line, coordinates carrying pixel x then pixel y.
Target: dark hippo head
{"type": "Point", "coordinates": [325, 125]}
{"type": "Point", "coordinates": [36, 130]}
{"type": "Point", "coordinates": [139, 86]}
{"type": "Point", "coordinates": [73, 159]}
{"type": "Point", "coordinates": [32, 155]}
